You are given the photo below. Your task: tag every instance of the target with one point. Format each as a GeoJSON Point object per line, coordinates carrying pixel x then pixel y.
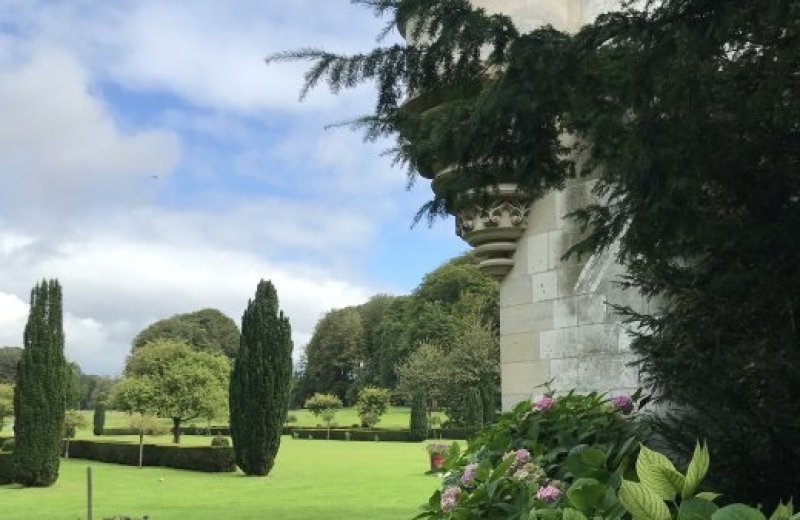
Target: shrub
{"type": "Point", "coordinates": [418, 423]}
{"type": "Point", "coordinates": [7, 445]}
{"type": "Point", "coordinates": [219, 440]}
{"type": "Point", "coordinates": [198, 458]}
{"type": "Point", "coordinates": [374, 402]}
{"type": "Point", "coordinates": [473, 415]}
{"type": "Point", "coordinates": [533, 455]}
{"type": "Point", "coordinates": [99, 418]}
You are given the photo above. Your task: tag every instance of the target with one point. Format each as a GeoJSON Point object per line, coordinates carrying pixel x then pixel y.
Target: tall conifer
{"type": "Point", "coordinates": [260, 382]}
{"type": "Point", "coordinates": [40, 393]}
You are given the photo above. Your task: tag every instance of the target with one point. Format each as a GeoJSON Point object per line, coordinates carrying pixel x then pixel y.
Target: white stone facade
{"type": "Point", "coordinates": [555, 318]}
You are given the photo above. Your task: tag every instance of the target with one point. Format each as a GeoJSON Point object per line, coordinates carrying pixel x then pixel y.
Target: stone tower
{"type": "Point", "coordinates": [555, 321]}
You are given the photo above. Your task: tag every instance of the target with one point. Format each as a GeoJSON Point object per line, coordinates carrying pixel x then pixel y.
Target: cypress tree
{"type": "Point", "coordinates": [40, 394]}
{"type": "Point", "coordinates": [489, 407]}
{"type": "Point", "coordinates": [99, 419]}
{"type": "Point", "coordinates": [474, 409]}
{"type": "Point", "coordinates": [261, 382]}
{"type": "Point", "coordinates": [419, 416]}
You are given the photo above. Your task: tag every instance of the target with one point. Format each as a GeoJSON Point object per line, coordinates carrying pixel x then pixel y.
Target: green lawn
{"type": "Point", "coordinates": [395, 417]}
{"type": "Point", "coordinates": [311, 480]}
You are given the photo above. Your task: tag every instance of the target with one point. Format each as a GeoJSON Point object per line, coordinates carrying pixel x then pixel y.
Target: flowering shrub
{"type": "Point", "coordinates": [542, 457]}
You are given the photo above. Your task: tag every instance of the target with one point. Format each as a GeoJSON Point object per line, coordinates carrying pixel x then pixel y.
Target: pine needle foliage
{"type": "Point", "coordinates": [261, 382]}
{"type": "Point", "coordinates": [686, 112]}
{"type": "Point", "coordinates": [40, 392]}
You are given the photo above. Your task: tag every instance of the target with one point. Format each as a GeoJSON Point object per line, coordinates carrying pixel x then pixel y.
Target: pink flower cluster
{"type": "Point", "coordinates": [544, 403]}
{"type": "Point", "coordinates": [522, 456]}
{"type": "Point", "coordinates": [548, 494]}
{"type": "Point", "coordinates": [468, 477]}
{"type": "Point", "coordinates": [623, 403]}
{"type": "Point", "coordinates": [449, 498]}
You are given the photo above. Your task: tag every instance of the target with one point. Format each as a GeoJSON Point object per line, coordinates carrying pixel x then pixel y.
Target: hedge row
{"type": "Point", "coordinates": [197, 458]}
{"type": "Point", "coordinates": [360, 434]}
{"type": "Point", "coordinates": [187, 430]}
{"type": "Point", "coordinates": [6, 474]}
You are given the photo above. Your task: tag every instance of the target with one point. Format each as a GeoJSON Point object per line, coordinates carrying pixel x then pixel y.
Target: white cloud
{"type": "Point", "coordinates": [60, 148]}
{"type": "Point", "coordinates": [208, 52]}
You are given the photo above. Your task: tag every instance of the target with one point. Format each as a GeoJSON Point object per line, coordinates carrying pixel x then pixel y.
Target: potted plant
{"type": "Point", "coordinates": [437, 453]}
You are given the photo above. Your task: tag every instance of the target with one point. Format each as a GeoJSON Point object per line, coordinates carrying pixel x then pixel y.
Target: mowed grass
{"type": "Point", "coordinates": [395, 417]}
{"type": "Point", "coordinates": [311, 480]}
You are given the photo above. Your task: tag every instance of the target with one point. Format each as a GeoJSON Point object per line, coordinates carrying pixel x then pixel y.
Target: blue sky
{"type": "Point", "coordinates": [153, 163]}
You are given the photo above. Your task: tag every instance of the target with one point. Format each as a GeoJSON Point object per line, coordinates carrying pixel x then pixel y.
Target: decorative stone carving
{"type": "Point", "coordinates": [493, 226]}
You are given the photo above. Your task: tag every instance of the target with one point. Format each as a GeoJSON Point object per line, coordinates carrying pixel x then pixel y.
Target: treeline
{"type": "Point", "coordinates": [386, 341]}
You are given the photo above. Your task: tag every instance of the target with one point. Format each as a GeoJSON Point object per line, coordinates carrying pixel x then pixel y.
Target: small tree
{"type": "Point", "coordinates": [324, 406]}
{"type": "Point", "coordinates": [171, 379]}
{"type": "Point", "coordinates": [372, 404]}
{"type": "Point", "coordinates": [6, 402]}
{"type": "Point", "coordinates": [99, 418]}
{"type": "Point", "coordinates": [73, 421]}
{"type": "Point", "coordinates": [40, 392]}
{"type": "Point", "coordinates": [418, 425]}
{"type": "Point", "coordinates": [146, 424]}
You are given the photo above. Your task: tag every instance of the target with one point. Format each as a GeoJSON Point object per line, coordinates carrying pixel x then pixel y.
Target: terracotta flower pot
{"type": "Point", "coordinates": [437, 461]}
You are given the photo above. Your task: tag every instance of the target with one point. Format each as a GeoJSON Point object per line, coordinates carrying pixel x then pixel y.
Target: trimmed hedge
{"type": "Point", "coordinates": [6, 473]}
{"type": "Point", "coordinates": [224, 431]}
{"type": "Point", "coordinates": [198, 458]}
{"type": "Point", "coordinates": [360, 434]}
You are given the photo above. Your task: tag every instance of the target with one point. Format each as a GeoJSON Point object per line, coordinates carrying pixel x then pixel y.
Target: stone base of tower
{"type": "Point", "coordinates": [555, 321]}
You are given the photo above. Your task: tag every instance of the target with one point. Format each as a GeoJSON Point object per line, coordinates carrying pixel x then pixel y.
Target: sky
{"type": "Point", "coordinates": [153, 164]}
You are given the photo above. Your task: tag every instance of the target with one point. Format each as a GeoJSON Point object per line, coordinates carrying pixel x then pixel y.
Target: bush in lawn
{"type": "Point", "coordinates": [533, 454]}
{"type": "Point", "coordinates": [372, 401]}
{"type": "Point", "coordinates": [418, 423]}
{"type": "Point", "coordinates": [473, 416]}
{"type": "Point", "coordinates": [99, 418]}
{"type": "Point", "coordinates": [324, 406]}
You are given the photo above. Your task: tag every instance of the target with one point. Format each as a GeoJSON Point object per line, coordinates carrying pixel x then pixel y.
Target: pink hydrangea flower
{"type": "Point", "coordinates": [623, 403]}
{"type": "Point", "coordinates": [544, 403]}
{"type": "Point", "coordinates": [548, 494]}
{"type": "Point", "coordinates": [523, 456]}
{"type": "Point", "coordinates": [468, 477]}
{"type": "Point", "coordinates": [449, 498]}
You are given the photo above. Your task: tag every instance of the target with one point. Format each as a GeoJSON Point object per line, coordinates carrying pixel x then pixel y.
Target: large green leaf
{"type": "Point", "coordinates": [586, 493]}
{"type": "Point", "coordinates": [642, 503]}
{"type": "Point", "coordinates": [738, 512]}
{"type": "Point", "coordinates": [783, 511]}
{"type": "Point", "coordinates": [658, 474]}
{"type": "Point", "coordinates": [698, 467]}
{"type": "Point", "coordinates": [572, 514]}
{"type": "Point", "coordinates": [696, 509]}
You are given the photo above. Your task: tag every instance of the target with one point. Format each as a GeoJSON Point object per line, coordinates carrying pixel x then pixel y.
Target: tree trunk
{"type": "Point", "coordinates": [141, 448]}
{"type": "Point", "coordinates": [176, 430]}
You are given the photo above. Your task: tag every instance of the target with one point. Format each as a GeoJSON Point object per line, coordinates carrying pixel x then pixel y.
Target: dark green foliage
{"type": "Point", "coordinates": [473, 416]}
{"type": "Point", "coordinates": [7, 445]}
{"type": "Point", "coordinates": [261, 382]}
{"type": "Point", "coordinates": [76, 386]}
{"type": "Point", "coordinates": [96, 389]}
{"type": "Point", "coordinates": [207, 330]}
{"type": "Point", "coordinates": [40, 393]}
{"type": "Point", "coordinates": [197, 458]}
{"type": "Point", "coordinates": [6, 468]}
{"type": "Point", "coordinates": [687, 111]}
{"type": "Point", "coordinates": [9, 357]}
{"type": "Point", "coordinates": [99, 418]}
{"type": "Point", "coordinates": [418, 424]}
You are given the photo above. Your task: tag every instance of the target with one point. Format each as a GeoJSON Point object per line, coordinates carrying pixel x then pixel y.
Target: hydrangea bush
{"type": "Point", "coordinates": [570, 452]}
